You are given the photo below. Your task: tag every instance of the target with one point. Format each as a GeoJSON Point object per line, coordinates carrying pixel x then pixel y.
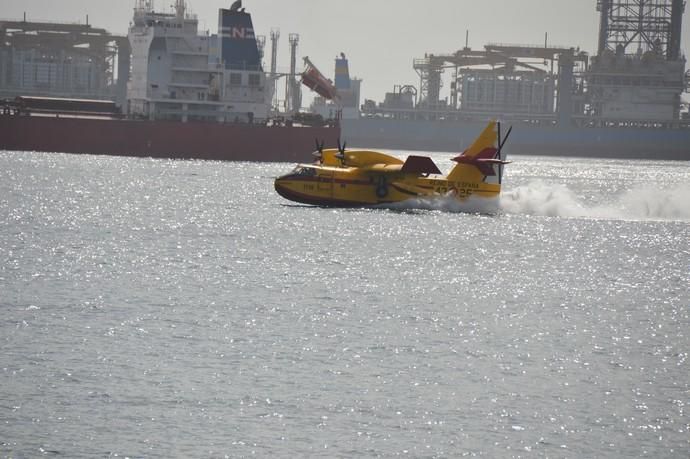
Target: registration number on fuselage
{"type": "Point", "coordinates": [461, 189]}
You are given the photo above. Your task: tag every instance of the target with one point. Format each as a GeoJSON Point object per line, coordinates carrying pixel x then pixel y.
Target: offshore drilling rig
{"type": "Point", "coordinates": [639, 72]}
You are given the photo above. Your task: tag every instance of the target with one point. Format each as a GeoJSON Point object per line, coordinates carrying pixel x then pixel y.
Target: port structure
{"type": "Point", "coordinates": [62, 60]}
{"type": "Point", "coordinates": [636, 79]}
{"type": "Point", "coordinates": [506, 80]}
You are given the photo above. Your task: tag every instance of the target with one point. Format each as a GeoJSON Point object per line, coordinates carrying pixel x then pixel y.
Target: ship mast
{"type": "Point", "coordinates": [144, 5]}
{"type": "Point", "coordinates": [180, 8]}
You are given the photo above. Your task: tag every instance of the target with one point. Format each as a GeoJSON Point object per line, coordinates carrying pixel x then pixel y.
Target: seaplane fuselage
{"type": "Point", "coordinates": [348, 186]}
{"type": "Point", "coordinates": [351, 178]}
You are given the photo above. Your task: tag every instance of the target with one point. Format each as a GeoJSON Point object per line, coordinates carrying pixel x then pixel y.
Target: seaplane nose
{"type": "Point", "coordinates": [279, 185]}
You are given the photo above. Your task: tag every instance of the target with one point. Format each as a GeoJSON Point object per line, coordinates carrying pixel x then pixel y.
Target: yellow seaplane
{"type": "Point", "coordinates": [358, 178]}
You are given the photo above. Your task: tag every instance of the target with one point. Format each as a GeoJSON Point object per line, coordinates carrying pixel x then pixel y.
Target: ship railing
{"type": "Point", "coordinates": [528, 46]}
{"type": "Point", "coordinates": [218, 116]}
{"type": "Point", "coordinates": [187, 52]}
{"type": "Point", "coordinates": [522, 118]}
{"type": "Point", "coordinates": [11, 91]}
{"type": "Point", "coordinates": [458, 115]}
{"type": "Point", "coordinates": [589, 121]}
{"type": "Point", "coordinates": [17, 110]}
{"type": "Point", "coordinates": [243, 66]}
{"type": "Point", "coordinates": [8, 107]}
{"type": "Point", "coordinates": [34, 24]}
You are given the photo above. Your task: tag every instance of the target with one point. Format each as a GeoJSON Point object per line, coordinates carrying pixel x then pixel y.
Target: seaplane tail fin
{"type": "Point", "coordinates": [482, 162]}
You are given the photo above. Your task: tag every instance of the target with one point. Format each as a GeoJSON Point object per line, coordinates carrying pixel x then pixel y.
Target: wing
{"type": "Point", "coordinates": [403, 176]}
{"type": "Point", "coordinates": [414, 165]}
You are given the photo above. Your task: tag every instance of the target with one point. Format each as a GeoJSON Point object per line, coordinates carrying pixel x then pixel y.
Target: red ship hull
{"type": "Point", "coordinates": [163, 139]}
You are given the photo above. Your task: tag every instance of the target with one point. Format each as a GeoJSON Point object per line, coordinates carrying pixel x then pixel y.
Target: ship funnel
{"type": "Point", "coordinates": [238, 46]}
{"type": "Point", "coordinates": [342, 72]}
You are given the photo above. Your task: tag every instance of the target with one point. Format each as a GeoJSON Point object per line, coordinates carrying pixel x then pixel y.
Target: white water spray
{"type": "Point", "coordinates": [555, 200]}
{"type": "Point", "coordinates": [639, 203]}
{"type": "Point", "coordinates": [449, 203]}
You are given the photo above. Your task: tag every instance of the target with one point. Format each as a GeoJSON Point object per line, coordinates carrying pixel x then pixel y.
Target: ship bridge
{"type": "Point", "coordinates": [184, 75]}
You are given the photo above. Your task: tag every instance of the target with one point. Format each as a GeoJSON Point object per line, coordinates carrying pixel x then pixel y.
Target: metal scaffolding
{"type": "Point", "coordinates": [501, 78]}
{"type": "Point", "coordinates": [638, 75]}
{"type": "Point", "coordinates": [639, 26]}
{"type": "Point", "coordinates": [70, 60]}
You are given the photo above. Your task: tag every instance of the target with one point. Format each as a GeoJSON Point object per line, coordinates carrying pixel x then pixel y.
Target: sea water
{"type": "Point", "coordinates": [155, 308]}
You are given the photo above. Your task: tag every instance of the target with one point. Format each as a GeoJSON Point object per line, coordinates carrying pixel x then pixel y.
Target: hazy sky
{"type": "Point", "coordinates": [380, 37]}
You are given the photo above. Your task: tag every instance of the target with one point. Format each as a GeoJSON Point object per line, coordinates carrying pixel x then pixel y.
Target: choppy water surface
{"type": "Point", "coordinates": [183, 309]}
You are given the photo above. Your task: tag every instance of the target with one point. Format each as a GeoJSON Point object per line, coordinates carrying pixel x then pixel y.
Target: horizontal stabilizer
{"type": "Point", "coordinates": [420, 165]}
{"type": "Point", "coordinates": [485, 161]}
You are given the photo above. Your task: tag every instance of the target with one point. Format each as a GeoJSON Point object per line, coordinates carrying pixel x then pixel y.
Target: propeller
{"type": "Point", "coordinates": [502, 142]}
{"type": "Point", "coordinates": [341, 152]}
{"type": "Point", "coordinates": [319, 150]}
{"type": "Point", "coordinates": [505, 139]}
{"type": "Point", "coordinates": [498, 129]}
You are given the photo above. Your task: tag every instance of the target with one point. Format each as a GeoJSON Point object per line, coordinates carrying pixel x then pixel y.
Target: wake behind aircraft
{"type": "Point", "coordinates": [358, 178]}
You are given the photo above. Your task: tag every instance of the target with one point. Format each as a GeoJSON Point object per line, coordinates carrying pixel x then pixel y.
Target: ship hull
{"type": "Point", "coordinates": [454, 136]}
{"type": "Point", "coordinates": [163, 139]}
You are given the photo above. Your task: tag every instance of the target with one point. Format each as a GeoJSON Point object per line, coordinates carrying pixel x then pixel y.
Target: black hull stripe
{"type": "Point", "coordinates": [404, 191]}
{"type": "Point", "coordinates": [322, 202]}
{"type": "Point", "coordinates": [330, 202]}
{"type": "Point", "coordinates": [330, 180]}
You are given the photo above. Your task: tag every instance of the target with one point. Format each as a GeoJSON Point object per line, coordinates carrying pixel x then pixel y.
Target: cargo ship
{"type": "Point", "coordinates": [188, 95]}
{"type": "Point", "coordinates": [625, 102]}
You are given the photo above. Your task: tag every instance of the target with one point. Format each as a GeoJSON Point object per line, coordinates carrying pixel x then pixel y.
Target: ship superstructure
{"type": "Point", "coordinates": [180, 74]}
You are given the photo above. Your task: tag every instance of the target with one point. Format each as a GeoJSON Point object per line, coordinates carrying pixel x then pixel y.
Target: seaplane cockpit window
{"type": "Point", "coordinates": [304, 171]}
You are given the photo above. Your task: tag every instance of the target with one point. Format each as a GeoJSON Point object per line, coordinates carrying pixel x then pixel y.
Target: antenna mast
{"type": "Point", "coordinates": [294, 98]}
{"type": "Point", "coordinates": [180, 8]}
{"type": "Point", "coordinates": [275, 36]}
